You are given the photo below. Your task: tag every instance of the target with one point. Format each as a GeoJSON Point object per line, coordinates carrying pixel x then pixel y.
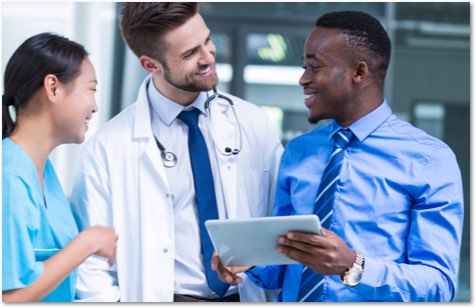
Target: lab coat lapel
{"type": "Point", "coordinates": [156, 220]}
{"type": "Point", "coordinates": [143, 135]}
{"type": "Point", "coordinates": [224, 131]}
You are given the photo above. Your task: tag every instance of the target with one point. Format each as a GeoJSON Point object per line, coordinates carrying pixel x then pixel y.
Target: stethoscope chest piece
{"type": "Point", "coordinates": [169, 159]}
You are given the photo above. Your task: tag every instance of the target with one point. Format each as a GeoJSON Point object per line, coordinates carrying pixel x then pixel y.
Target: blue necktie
{"type": "Point", "coordinates": [205, 194]}
{"type": "Point", "coordinates": [312, 282]}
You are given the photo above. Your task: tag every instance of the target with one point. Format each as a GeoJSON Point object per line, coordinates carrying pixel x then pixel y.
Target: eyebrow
{"type": "Point", "coordinates": [310, 56]}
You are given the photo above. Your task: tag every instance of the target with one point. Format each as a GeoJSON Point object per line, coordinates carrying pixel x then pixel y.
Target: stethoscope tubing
{"type": "Point", "coordinates": [169, 159]}
{"type": "Point", "coordinates": [227, 151]}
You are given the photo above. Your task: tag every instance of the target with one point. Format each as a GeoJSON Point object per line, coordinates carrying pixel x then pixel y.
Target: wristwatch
{"type": "Point", "coordinates": [353, 274]}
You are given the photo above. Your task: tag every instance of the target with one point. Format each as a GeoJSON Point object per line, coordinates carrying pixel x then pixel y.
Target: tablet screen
{"type": "Point", "coordinates": [253, 241]}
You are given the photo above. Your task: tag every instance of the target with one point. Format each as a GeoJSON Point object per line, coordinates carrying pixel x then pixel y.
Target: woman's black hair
{"type": "Point", "coordinates": [37, 57]}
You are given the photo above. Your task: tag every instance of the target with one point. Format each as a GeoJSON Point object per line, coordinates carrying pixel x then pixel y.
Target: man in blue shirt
{"type": "Point", "coordinates": [395, 222]}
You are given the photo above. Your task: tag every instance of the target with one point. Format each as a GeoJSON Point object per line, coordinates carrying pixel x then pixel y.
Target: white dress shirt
{"type": "Point", "coordinates": [172, 133]}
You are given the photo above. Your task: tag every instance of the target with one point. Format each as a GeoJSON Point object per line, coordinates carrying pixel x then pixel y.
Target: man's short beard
{"type": "Point", "coordinates": [189, 87]}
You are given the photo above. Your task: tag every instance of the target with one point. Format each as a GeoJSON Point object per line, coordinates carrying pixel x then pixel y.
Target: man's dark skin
{"type": "Point", "coordinates": [338, 85]}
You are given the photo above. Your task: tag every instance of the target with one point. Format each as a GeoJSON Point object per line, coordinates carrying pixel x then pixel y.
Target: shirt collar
{"type": "Point", "coordinates": [363, 127]}
{"type": "Point", "coordinates": [166, 109]}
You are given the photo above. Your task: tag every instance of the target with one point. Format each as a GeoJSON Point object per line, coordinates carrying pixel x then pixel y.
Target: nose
{"type": "Point", "coordinates": [208, 52]}
{"type": "Point", "coordinates": [305, 79]}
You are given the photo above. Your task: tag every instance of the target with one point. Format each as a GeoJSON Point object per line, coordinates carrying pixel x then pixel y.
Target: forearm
{"type": "Point", "coordinates": [391, 282]}
{"type": "Point", "coordinates": [56, 269]}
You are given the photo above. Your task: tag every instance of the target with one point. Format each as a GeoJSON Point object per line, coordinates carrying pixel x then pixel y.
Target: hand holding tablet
{"type": "Point", "coordinates": [253, 241]}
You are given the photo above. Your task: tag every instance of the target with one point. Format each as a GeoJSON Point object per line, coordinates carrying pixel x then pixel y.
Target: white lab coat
{"type": "Point", "coordinates": [121, 183]}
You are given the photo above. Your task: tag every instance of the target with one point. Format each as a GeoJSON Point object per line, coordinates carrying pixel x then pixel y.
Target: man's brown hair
{"type": "Point", "coordinates": [144, 23]}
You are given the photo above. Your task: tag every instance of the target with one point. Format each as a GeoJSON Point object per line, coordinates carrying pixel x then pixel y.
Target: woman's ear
{"type": "Point", "coordinates": [361, 71]}
{"type": "Point", "coordinates": [51, 85]}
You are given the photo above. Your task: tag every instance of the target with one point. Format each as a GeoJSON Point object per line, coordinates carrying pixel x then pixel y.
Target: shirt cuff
{"type": "Point", "coordinates": [254, 274]}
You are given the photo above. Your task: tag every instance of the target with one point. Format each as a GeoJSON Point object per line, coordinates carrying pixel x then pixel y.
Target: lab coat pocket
{"type": "Point", "coordinates": [43, 254]}
{"type": "Point", "coordinates": [253, 191]}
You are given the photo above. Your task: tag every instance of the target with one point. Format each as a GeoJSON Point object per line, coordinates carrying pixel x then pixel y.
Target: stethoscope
{"type": "Point", "coordinates": [169, 159]}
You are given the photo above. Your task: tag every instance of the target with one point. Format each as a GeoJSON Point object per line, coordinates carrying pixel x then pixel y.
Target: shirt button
{"type": "Point", "coordinates": [167, 195]}
{"type": "Point", "coordinates": [229, 167]}
{"type": "Point", "coordinates": [165, 250]}
{"type": "Point", "coordinates": [323, 298]}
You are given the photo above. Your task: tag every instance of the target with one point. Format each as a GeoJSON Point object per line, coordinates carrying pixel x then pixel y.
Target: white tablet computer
{"type": "Point", "coordinates": [253, 241]}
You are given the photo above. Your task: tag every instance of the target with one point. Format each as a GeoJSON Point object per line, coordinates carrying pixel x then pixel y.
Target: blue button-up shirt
{"type": "Point", "coordinates": [399, 201]}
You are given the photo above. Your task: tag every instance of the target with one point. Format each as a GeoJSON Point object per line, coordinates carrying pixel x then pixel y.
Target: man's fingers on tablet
{"type": "Point", "coordinates": [310, 238]}
{"type": "Point", "coordinates": [299, 245]}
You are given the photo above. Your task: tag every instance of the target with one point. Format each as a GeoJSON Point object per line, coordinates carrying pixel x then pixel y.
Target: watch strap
{"type": "Point", "coordinates": [359, 261]}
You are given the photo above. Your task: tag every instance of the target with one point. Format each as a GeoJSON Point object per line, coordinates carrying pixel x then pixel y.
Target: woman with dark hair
{"type": "Point", "coordinates": [49, 85]}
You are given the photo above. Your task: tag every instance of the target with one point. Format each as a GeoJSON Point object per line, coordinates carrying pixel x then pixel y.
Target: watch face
{"type": "Point", "coordinates": [354, 276]}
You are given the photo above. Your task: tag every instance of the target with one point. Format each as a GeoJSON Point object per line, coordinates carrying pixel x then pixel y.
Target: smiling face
{"type": "Point", "coordinates": [189, 64]}
{"type": "Point", "coordinates": [327, 78]}
{"type": "Point", "coordinates": [72, 115]}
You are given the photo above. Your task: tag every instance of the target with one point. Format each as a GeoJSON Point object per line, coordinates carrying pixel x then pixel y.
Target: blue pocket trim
{"type": "Point", "coordinates": [43, 254]}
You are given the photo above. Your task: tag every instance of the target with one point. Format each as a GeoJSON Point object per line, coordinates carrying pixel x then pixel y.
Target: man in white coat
{"type": "Point", "coordinates": [150, 200]}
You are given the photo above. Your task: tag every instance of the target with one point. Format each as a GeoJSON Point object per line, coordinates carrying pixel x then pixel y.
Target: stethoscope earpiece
{"type": "Point", "coordinates": [230, 151]}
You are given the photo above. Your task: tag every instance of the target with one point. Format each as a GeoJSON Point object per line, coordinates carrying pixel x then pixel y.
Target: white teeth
{"type": "Point", "coordinates": [206, 71]}
{"type": "Point", "coordinates": [310, 96]}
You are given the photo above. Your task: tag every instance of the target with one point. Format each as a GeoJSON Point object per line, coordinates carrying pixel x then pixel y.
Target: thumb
{"type": "Point", "coordinates": [215, 261]}
{"type": "Point", "coordinates": [326, 233]}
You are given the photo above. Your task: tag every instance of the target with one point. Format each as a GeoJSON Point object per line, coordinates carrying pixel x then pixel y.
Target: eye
{"type": "Point", "coordinates": [315, 68]}
{"type": "Point", "coordinates": [189, 53]}
{"type": "Point", "coordinates": [311, 68]}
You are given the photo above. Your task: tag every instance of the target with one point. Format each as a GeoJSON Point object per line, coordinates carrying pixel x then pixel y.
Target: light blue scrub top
{"type": "Point", "coordinates": [31, 231]}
